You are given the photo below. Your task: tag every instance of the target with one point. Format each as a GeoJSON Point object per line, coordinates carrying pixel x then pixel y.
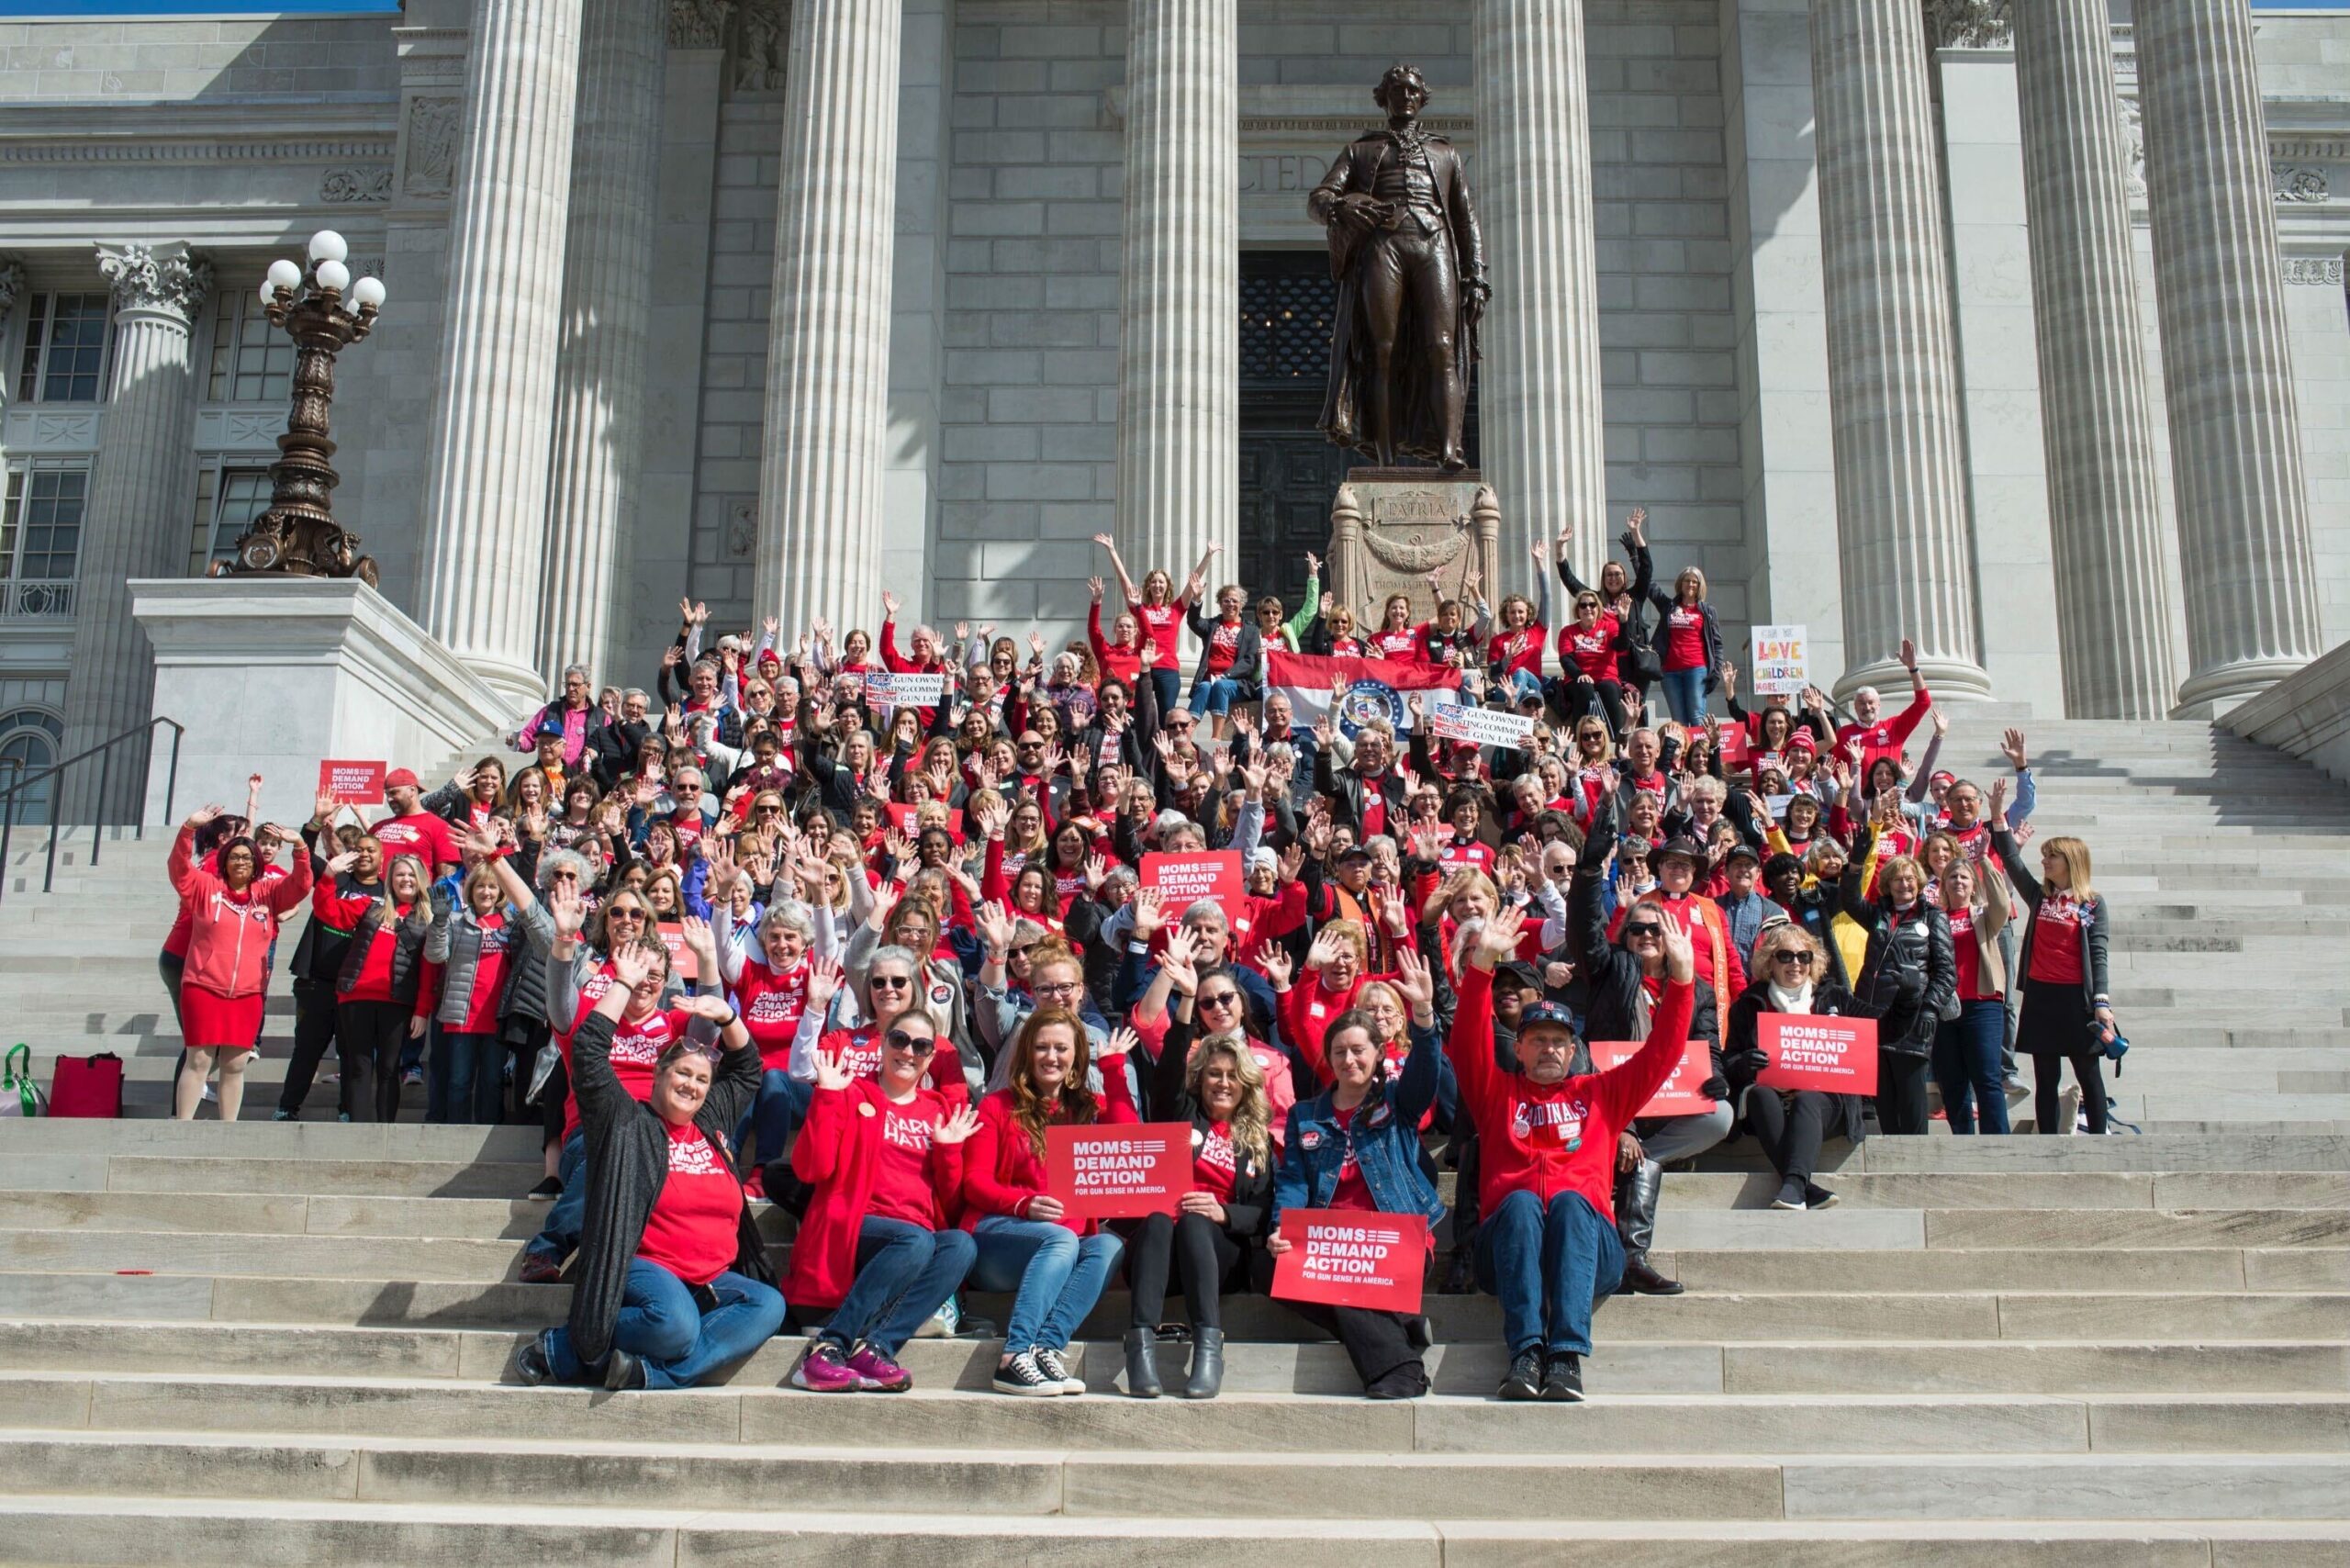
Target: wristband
{"type": "Point", "coordinates": [1141, 947]}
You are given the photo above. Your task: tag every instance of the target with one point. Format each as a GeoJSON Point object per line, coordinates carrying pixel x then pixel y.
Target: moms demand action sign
{"type": "Point", "coordinates": [1119, 1173]}
{"type": "Point", "coordinates": [1836, 1056]}
{"type": "Point", "coordinates": [1347, 1258]}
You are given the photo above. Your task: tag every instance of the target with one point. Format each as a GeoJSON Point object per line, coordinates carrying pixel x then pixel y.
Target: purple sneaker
{"type": "Point", "coordinates": [879, 1372]}
{"type": "Point", "coordinates": [822, 1370]}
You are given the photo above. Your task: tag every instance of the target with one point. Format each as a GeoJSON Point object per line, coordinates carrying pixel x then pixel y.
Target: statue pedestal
{"type": "Point", "coordinates": [1390, 527]}
{"type": "Point", "coordinates": [272, 675]}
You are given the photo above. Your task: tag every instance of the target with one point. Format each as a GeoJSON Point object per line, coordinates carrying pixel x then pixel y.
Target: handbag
{"type": "Point", "coordinates": [550, 1057]}
{"type": "Point", "coordinates": [87, 1086]}
{"type": "Point", "coordinates": [19, 1095]}
{"type": "Point", "coordinates": [2113, 1049]}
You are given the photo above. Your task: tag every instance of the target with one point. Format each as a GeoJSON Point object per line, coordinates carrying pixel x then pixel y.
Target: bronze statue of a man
{"type": "Point", "coordinates": [1411, 274]}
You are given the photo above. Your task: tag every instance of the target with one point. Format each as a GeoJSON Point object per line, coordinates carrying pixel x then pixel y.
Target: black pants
{"type": "Point", "coordinates": [1197, 1249]}
{"type": "Point", "coordinates": [315, 1011]}
{"type": "Point", "coordinates": [1377, 1343]}
{"type": "Point", "coordinates": [1469, 1164]}
{"type": "Point", "coordinates": [2048, 1081]}
{"type": "Point", "coordinates": [1575, 699]}
{"type": "Point", "coordinates": [370, 1034]}
{"type": "Point", "coordinates": [1789, 1125]}
{"type": "Point", "coordinates": [1901, 1093]}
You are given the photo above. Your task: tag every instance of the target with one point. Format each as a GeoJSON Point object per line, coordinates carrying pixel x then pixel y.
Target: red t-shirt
{"type": "Point", "coordinates": [419, 833]}
{"type": "Point", "coordinates": [1511, 652]}
{"type": "Point", "coordinates": [902, 1189]}
{"type": "Point", "coordinates": [1158, 623]}
{"type": "Point", "coordinates": [636, 1046]}
{"type": "Point", "coordinates": [1223, 646]}
{"type": "Point", "coordinates": [1592, 651]}
{"type": "Point", "coordinates": [1684, 638]}
{"type": "Point", "coordinates": [1351, 1192]}
{"type": "Point", "coordinates": [489, 975]}
{"type": "Point", "coordinates": [1374, 808]}
{"type": "Point", "coordinates": [771, 1005]}
{"type": "Point", "coordinates": [692, 1230]}
{"type": "Point", "coordinates": [373, 982]}
{"type": "Point", "coordinates": [1967, 951]}
{"type": "Point", "coordinates": [1215, 1163]}
{"type": "Point", "coordinates": [2056, 940]}
{"type": "Point", "coordinates": [1395, 644]}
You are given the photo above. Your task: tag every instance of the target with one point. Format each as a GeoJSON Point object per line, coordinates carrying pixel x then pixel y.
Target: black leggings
{"type": "Point", "coordinates": [370, 1034]}
{"type": "Point", "coordinates": [1195, 1245]}
{"type": "Point", "coordinates": [1605, 698]}
{"type": "Point", "coordinates": [315, 1015]}
{"type": "Point", "coordinates": [2048, 1080]}
{"type": "Point", "coordinates": [1901, 1093]}
{"type": "Point", "coordinates": [1789, 1127]}
{"type": "Point", "coordinates": [1379, 1344]}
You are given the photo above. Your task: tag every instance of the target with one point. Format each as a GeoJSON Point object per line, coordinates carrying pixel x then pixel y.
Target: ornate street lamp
{"type": "Point", "coordinates": [297, 537]}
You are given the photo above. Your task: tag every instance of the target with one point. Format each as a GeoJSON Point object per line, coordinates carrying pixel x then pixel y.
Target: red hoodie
{"type": "Point", "coordinates": [229, 934]}
{"type": "Point", "coordinates": [1557, 1138]}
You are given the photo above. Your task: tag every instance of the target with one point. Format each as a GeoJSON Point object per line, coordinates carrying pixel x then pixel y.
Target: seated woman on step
{"type": "Point", "coordinates": [883, 1159]}
{"type": "Point", "coordinates": [674, 1286]}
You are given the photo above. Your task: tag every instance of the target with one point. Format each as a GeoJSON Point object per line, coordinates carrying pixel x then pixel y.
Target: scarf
{"type": "Point", "coordinates": [1796, 1000]}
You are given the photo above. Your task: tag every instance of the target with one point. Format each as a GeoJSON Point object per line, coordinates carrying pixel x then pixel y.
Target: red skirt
{"type": "Point", "coordinates": [210, 1020]}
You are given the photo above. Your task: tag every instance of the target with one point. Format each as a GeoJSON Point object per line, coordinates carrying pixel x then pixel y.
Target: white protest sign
{"type": "Point", "coordinates": [1486, 727]}
{"type": "Point", "coordinates": [1781, 657]}
{"type": "Point", "coordinates": [904, 690]}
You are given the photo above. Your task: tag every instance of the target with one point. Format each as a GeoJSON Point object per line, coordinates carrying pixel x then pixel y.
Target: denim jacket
{"type": "Point", "coordinates": [1385, 1135]}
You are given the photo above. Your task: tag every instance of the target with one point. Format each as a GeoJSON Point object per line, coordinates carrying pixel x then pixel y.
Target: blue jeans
{"type": "Point", "coordinates": [1215, 695]}
{"type": "Point", "coordinates": [560, 1239]}
{"type": "Point", "coordinates": [1167, 685]}
{"type": "Point", "coordinates": [775, 1115]}
{"type": "Point", "coordinates": [1967, 1070]}
{"type": "Point", "coordinates": [902, 1273]}
{"type": "Point", "coordinates": [1685, 694]}
{"type": "Point", "coordinates": [1519, 684]}
{"type": "Point", "coordinates": [663, 1326]}
{"type": "Point", "coordinates": [464, 1068]}
{"type": "Point", "coordinates": [1056, 1274]}
{"type": "Point", "coordinates": [1549, 1265]}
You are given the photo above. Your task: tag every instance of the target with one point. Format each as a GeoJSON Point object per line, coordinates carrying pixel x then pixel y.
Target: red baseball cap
{"type": "Point", "coordinates": [400, 778]}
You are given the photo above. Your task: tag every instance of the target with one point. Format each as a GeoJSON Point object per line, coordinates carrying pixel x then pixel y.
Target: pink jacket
{"type": "Point", "coordinates": [229, 934]}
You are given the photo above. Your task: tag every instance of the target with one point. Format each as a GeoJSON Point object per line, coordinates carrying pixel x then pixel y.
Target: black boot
{"type": "Point", "coordinates": [1142, 1363]}
{"type": "Point", "coordinates": [1207, 1364]}
{"type": "Point", "coordinates": [1636, 1222]}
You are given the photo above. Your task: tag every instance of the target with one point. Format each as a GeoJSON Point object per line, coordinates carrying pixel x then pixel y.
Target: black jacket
{"type": "Point", "coordinates": [1742, 1057]}
{"type": "Point", "coordinates": [1248, 656]}
{"type": "Point", "coordinates": [2094, 923]}
{"type": "Point", "coordinates": [1344, 786]}
{"type": "Point", "coordinates": [407, 956]}
{"type": "Point", "coordinates": [1613, 977]}
{"type": "Point", "coordinates": [1252, 1180]}
{"type": "Point", "coordinates": [627, 1163]}
{"type": "Point", "coordinates": [1908, 954]}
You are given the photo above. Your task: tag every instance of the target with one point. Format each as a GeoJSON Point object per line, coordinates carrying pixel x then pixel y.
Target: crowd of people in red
{"type": "Point", "coordinates": [849, 924]}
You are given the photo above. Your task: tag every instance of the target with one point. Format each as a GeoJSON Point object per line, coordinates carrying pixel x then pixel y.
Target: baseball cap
{"type": "Point", "coordinates": [549, 728]}
{"type": "Point", "coordinates": [1546, 1012]}
{"type": "Point", "coordinates": [1353, 852]}
{"type": "Point", "coordinates": [400, 778]}
{"type": "Point", "coordinates": [1521, 971]}
{"type": "Point", "coordinates": [1742, 851]}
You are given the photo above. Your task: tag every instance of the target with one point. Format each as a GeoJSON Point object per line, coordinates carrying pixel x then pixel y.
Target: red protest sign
{"type": "Point", "coordinates": [1183, 880]}
{"type": "Point", "coordinates": [1735, 751]}
{"type": "Point", "coordinates": [1119, 1173]}
{"type": "Point", "coordinates": [1679, 1095]}
{"type": "Point", "coordinates": [352, 783]}
{"type": "Point", "coordinates": [681, 958]}
{"type": "Point", "coordinates": [1835, 1055]}
{"type": "Point", "coordinates": [1345, 1258]}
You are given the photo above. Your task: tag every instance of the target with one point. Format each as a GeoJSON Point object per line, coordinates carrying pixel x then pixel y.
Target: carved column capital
{"type": "Point", "coordinates": [699, 24]}
{"type": "Point", "coordinates": [12, 280]}
{"type": "Point", "coordinates": [170, 279]}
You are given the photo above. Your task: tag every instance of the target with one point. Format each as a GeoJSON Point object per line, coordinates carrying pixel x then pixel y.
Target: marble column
{"type": "Point", "coordinates": [135, 522]}
{"type": "Point", "coordinates": [606, 307]}
{"type": "Point", "coordinates": [2235, 447]}
{"type": "Point", "coordinates": [1179, 351]}
{"type": "Point", "coordinates": [2113, 592]}
{"type": "Point", "coordinates": [828, 335]}
{"type": "Point", "coordinates": [493, 417]}
{"type": "Point", "coordinates": [1538, 395]}
{"type": "Point", "coordinates": [1902, 517]}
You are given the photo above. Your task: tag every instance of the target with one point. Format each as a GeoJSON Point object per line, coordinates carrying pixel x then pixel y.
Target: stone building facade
{"type": "Point", "coordinates": [2033, 345]}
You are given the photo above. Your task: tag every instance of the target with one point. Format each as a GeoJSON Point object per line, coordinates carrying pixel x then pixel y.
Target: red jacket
{"type": "Point", "coordinates": [229, 934]}
{"type": "Point", "coordinates": [836, 1152]}
{"type": "Point", "coordinates": [1001, 1170]}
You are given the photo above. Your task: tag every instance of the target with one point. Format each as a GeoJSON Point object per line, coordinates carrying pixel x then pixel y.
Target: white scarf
{"type": "Point", "coordinates": [1796, 1000]}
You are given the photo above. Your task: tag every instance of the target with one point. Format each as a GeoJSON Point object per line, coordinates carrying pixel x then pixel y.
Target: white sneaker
{"type": "Point", "coordinates": [210, 1096]}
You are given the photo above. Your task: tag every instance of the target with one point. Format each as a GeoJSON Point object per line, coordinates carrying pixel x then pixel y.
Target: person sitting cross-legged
{"type": "Point", "coordinates": [1548, 1246]}
{"type": "Point", "coordinates": [674, 1286]}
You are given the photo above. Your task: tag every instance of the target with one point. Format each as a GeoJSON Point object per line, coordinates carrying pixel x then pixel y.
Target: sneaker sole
{"type": "Point", "coordinates": [1830, 1201]}
{"type": "Point", "coordinates": [1562, 1397]}
{"type": "Point", "coordinates": [1789, 1208]}
{"type": "Point", "coordinates": [1519, 1393]}
{"type": "Point", "coordinates": [853, 1386]}
{"type": "Point", "coordinates": [1023, 1391]}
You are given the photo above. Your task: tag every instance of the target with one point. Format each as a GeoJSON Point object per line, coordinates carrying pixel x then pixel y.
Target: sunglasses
{"type": "Point", "coordinates": [1644, 929]}
{"type": "Point", "coordinates": [893, 982]}
{"type": "Point", "coordinates": [1222, 999]}
{"type": "Point", "coordinates": [919, 1045]}
{"type": "Point", "coordinates": [613, 914]}
{"type": "Point", "coordinates": [1024, 949]}
{"type": "Point", "coordinates": [1800, 960]}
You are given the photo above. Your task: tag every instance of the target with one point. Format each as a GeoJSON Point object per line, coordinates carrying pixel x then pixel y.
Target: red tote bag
{"type": "Point", "coordinates": [87, 1086]}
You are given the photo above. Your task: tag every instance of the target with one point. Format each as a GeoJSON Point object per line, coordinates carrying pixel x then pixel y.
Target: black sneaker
{"type": "Point", "coordinates": [1051, 1363]}
{"type": "Point", "coordinates": [1562, 1380]}
{"type": "Point", "coordinates": [1791, 1196]}
{"type": "Point", "coordinates": [1818, 1196]}
{"type": "Point", "coordinates": [550, 1188]}
{"type": "Point", "coordinates": [1524, 1379]}
{"type": "Point", "coordinates": [623, 1370]}
{"type": "Point", "coordinates": [531, 1363]}
{"type": "Point", "coordinates": [1021, 1375]}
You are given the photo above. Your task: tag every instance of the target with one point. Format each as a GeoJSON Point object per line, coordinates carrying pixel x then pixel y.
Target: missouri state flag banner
{"type": "Point", "coordinates": [1351, 691]}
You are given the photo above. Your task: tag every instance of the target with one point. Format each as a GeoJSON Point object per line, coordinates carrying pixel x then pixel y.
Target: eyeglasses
{"type": "Point", "coordinates": [613, 914]}
{"type": "Point", "coordinates": [893, 982]}
{"type": "Point", "coordinates": [1057, 988]}
{"type": "Point", "coordinates": [1023, 949]}
{"type": "Point", "coordinates": [1801, 960]}
{"type": "Point", "coordinates": [919, 1045]}
{"type": "Point", "coordinates": [1222, 999]}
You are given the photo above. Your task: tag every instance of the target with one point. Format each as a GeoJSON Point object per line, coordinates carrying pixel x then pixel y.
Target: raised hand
{"type": "Point", "coordinates": [831, 1073]}
{"type": "Point", "coordinates": [824, 982]}
{"type": "Point", "coordinates": [1121, 1041]}
{"type": "Point", "coordinates": [568, 907]}
{"type": "Point", "coordinates": [701, 941]}
{"type": "Point", "coordinates": [888, 604]}
{"type": "Point", "coordinates": [1680, 955]}
{"type": "Point", "coordinates": [1179, 962]}
{"type": "Point", "coordinates": [1273, 961]}
{"type": "Point", "coordinates": [1497, 939]}
{"type": "Point", "coordinates": [1323, 953]}
{"type": "Point", "coordinates": [1941, 723]}
{"type": "Point", "coordinates": [995, 926]}
{"type": "Point", "coordinates": [2011, 747]}
{"type": "Point", "coordinates": [343, 862]}
{"type": "Point", "coordinates": [1910, 656]}
{"type": "Point", "coordinates": [1149, 913]}
{"type": "Point", "coordinates": [953, 1129]}
{"type": "Point", "coordinates": [1414, 981]}
{"type": "Point", "coordinates": [632, 966]}
{"type": "Point", "coordinates": [1998, 808]}
{"type": "Point", "coordinates": [1095, 587]}
{"type": "Point", "coordinates": [324, 806]}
